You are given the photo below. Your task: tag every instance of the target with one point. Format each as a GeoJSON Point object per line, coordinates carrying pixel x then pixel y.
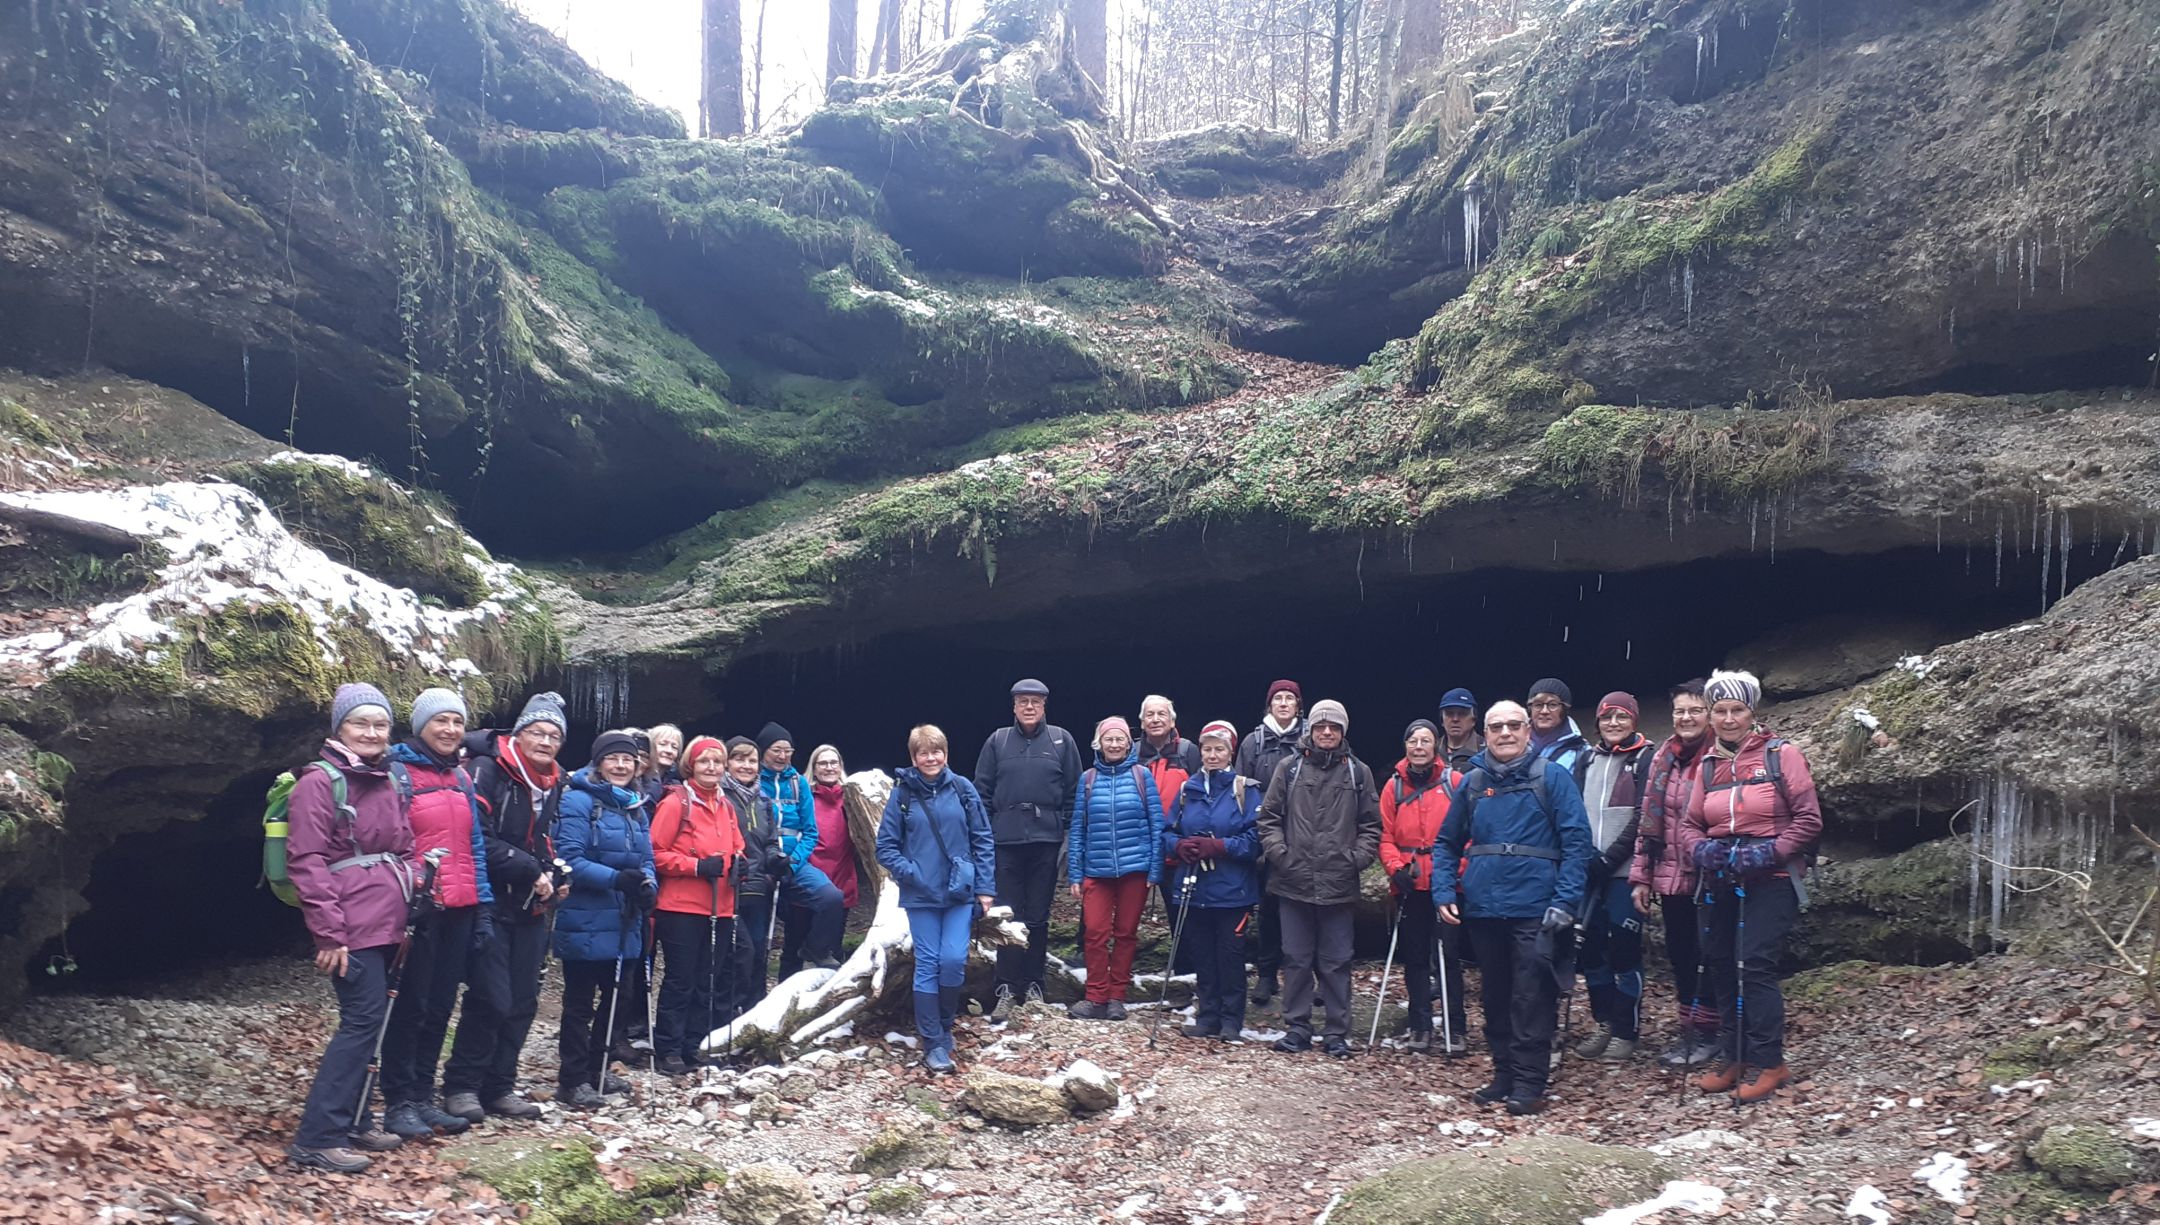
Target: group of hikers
{"type": "Point", "coordinates": [454, 859]}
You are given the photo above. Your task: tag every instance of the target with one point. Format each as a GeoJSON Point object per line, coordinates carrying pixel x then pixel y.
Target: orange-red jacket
{"type": "Point", "coordinates": [1410, 818]}
{"type": "Point", "coordinates": [688, 826]}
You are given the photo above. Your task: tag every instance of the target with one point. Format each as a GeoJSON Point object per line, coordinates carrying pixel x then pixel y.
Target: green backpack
{"type": "Point", "coordinates": [277, 806]}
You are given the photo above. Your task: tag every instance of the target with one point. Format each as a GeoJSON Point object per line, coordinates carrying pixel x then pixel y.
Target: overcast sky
{"type": "Point", "coordinates": [653, 45]}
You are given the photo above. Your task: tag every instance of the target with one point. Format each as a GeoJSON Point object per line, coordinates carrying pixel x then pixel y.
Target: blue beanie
{"type": "Point", "coordinates": [353, 696]}
{"type": "Point", "coordinates": [432, 702]}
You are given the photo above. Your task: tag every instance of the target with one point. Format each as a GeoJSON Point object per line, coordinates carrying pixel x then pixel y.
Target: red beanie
{"type": "Point", "coordinates": [1617, 700]}
{"type": "Point", "coordinates": [1292, 686]}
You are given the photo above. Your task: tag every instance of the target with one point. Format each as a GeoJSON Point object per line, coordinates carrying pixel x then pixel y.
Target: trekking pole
{"type": "Point", "coordinates": [1177, 932]}
{"type": "Point", "coordinates": [1739, 994]}
{"type": "Point", "coordinates": [712, 960]}
{"type": "Point", "coordinates": [1380, 997]}
{"type": "Point", "coordinates": [420, 900]}
{"type": "Point", "coordinates": [1447, 1027]}
{"type": "Point", "coordinates": [607, 1036]}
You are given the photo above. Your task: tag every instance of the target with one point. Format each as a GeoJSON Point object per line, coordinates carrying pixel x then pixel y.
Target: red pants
{"type": "Point", "coordinates": [1110, 910]}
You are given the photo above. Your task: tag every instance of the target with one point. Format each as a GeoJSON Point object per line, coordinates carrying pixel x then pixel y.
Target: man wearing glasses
{"type": "Point", "coordinates": [519, 784]}
{"type": "Point", "coordinates": [1519, 819]}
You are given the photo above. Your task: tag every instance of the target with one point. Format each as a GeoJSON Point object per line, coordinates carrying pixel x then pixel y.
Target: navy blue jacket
{"type": "Point", "coordinates": [1504, 811]}
{"type": "Point", "coordinates": [907, 847]}
{"type": "Point", "coordinates": [1207, 807]}
{"type": "Point", "coordinates": [601, 830]}
{"type": "Point", "coordinates": [1027, 782]}
{"type": "Point", "coordinates": [1117, 830]}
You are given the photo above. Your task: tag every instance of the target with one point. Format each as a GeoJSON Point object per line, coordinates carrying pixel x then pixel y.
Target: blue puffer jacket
{"type": "Point", "coordinates": [602, 830]}
{"type": "Point", "coordinates": [790, 793]}
{"type": "Point", "coordinates": [1496, 806]}
{"type": "Point", "coordinates": [1207, 807]}
{"type": "Point", "coordinates": [908, 846]}
{"type": "Point", "coordinates": [1118, 830]}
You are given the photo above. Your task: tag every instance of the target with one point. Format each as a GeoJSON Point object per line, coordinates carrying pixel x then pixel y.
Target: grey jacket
{"type": "Point", "coordinates": [1319, 825]}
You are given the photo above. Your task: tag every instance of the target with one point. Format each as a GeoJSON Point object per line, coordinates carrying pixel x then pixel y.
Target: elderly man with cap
{"type": "Point", "coordinates": [1319, 828]}
{"type": "Point", "coordinates": [1264, 748]}
{"type": "Point", "coordinates": [1459, 739]}
{"type": "Point", "coordinates": [1517, 821]}
{"type": "Point", "coordinates": [1613, 777]}
{"type": "Point", "coordinates": [814, 908]}
{"type": "Point", "coordinates": [1026, 775]}
{"type": "Point", "coordinates": [518, 784]}
{"type": "Point", "coordinates": [1553, 734]}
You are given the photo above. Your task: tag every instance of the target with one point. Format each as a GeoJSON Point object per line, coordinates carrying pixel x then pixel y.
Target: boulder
{"type": "Point", "coordinates": [1014, 1101]}
{"type": "Point", "coordinates": [1904, 909]}
{"type": "Point", "coordinates": [1088, 1087]}
{"type": "Point", "coordinates": [563, 1184]}
{"type": "Point", "coordinates": [2079, 1157]}
{"type": "Point", "coordinates": [1535, 1180]}
{"type": "Point", "coordinates": [769, 1194]}
{"type": "Point", "coordinates": [894, 1199]}
{"type": "Point", "coordinates": [902, 1146]}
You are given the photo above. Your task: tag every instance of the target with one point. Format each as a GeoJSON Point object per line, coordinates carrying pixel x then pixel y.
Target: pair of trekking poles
{"type": "Point", "coordinates": [1447, 1009]}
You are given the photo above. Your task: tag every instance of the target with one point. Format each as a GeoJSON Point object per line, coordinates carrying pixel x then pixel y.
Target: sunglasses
{"type": "Point", "coordinates": [1505, 725]}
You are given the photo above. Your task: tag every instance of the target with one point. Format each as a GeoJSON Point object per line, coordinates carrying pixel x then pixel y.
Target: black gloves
{"type": "Point", "coordinates": [712, 867]}
{"type": "Point", "coordinates": [483, 929]}
{"type": "Point", "coordinates": [628, 880]}
{"type": "Point", "coordinates": [1557, 919]}
{"type": "Point", "coordinates": [1405, 878]}
{"type": "Point", "coordinates": [648, 894]}
{"type": "Point", "coordinates": [778, 866]}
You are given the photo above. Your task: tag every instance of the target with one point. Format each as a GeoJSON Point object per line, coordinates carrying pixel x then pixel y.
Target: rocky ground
{"type": "Point", "coordinates": [2038, 1083]}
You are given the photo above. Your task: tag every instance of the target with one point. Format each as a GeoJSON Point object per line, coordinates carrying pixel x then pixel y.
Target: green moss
{"type": "Point", "coordinates": [1642, 239]}
{"type": "Point", "coordinates": [895, 1199]}
{"type": "Point", "coordinates": [2018, 1195]}
{"type": "Point", "coordinates": [1601, 447]}
{"type": "Point", "coordinates": [924, 1100]}
{"type": "Point", "coordinates": [371, 525]}
{"type": "Point", "coordinates": [26, 425]}
{"type": "Point", "coordinates": [563, 1184]}
{"type": "Point", "coordinates": [53, 772]}
{"type": "Point", "coordinates": [2083, 1157]}
{"type": "Point", "coordinates": [2036, 1052]}
{"type": "Point", "coordinates": [1535, 1180]}
{"type": "Point", "coordinates": [898, 1147]}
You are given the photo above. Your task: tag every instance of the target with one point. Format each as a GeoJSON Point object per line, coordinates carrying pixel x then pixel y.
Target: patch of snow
{"type": "Point", "coordinates": [1132, 1206]}
{"type": "Point", "coordinates": [1684, 1196]}
{"type": "Point", "coordinates": [2038, 1088]}
{"type": "Point", "coordinates": [1864, 718]}
{"type": "Point", "coordinates": [897, 1038]}
{"type": "Point", "coordinates": [337, 463]}
{"type": "Point", "coordinates": [1918, 665]}
{"type": "Point", "coordinates": [2145, 1129]}
{"type": "Point", "coordinates": [1868, 1204]}
{"type": "Point", "coordinates": [1701, 1141]}
{"type": "Point", "coordinates": [1464, 1127]}
{"type": "Point", "coordinates": [1945, 1176]}
{"type": "Point", "coordinates": [613, 1149]}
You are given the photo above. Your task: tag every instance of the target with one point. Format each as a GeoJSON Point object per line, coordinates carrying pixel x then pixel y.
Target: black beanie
{"type": "Point", "coordinates": [613, 742]}
{"type": "Point", "coordinates": [770, 735]}
{"type": "Point", "coordinates": [1415, 724]}
{"type": "Point", "coordinates": [736, 742]}
{"type": "Point", "coordinates": [1555, 688]}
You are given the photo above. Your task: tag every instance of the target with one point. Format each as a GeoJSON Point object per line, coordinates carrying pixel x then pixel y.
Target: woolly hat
{"type": "Point", "coordinates": [1616, 700]}
{"type": "Point", "coordinates": [1292, 686]}
{"type": "Point", "coordinates": [1416, 724]}
{"type": "Point", "coordinates": [541, 708]}
{"type": "Point", "coordinates": [1328, 710]}
{"type": "Point", "coordinates": [1220, 728]}
{"type": "Point", "coordinates": [698, 746]}
{"type": "Point", "coordinates": [355, 696]}
{"type": "Point", "coordinates": [772, 734]}
{"type": "Point", "coordinates": [1741, 687]}
{"type": "Point", "coordinates": [613, 742]}
{"type": "Point", "coordinates": [1030, 688]}
{"type": "Point", "coordinates": [1459, 699]}
{"type": "Point", "coordinates": [739, 742]}
{"type": "Point", "coordinates": [432, 702]}
{"type": "Point", "coordinates": [1555, 688]}
{"type": "Point", "coordinates": [1117, 721]}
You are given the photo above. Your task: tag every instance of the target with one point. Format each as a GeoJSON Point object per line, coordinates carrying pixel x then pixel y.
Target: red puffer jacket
{"type": "Point", "coordinates": [1410, 818]}
{"type": "Point", "coordinates": [1665, 805]}
{"type": "Point", "coordinates": [688, 826]}
{"type": "Point", "coordinates": [444, 816]}
{"type": "Point", "coordinates": [1735, 797]}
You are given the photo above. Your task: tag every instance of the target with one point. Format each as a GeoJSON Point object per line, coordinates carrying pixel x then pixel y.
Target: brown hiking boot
{"type": "Point", "coordinates": [1766, 1082]}
{"type": "Point", "coordinates": [1721, 1077]}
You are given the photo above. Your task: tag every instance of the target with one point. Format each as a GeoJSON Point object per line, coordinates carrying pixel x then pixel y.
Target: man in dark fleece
{"type": "Point", "coordinates": [1025, 775]}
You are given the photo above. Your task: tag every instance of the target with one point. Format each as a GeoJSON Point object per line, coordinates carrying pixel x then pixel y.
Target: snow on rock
{"type": "Point", "coordinates": [225, 547]}
{"type": "Point", "coordinates": [1868, 1204]}
{"type": "Point", "coordinates": [1700, 1142]}
{"type": "Point", "coordinates": [2145, 1129]}
{"type": "Point", "coordinates": [1678, 1195]}
{"type": "Point", "coordinates": [1087, 1086]}
{"type": "Point", "coordinates": [1945, 1176]}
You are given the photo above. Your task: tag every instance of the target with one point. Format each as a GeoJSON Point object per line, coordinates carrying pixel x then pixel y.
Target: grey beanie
{"type": "Point", "coordinates": [432, 702]}
{"type": "Point", "coordinates": [352, 696]}
{"type": "Point", "coordinates": [541, 708]}
{"type": "Point", "coordinates": [1328, 710]}
{"type": "Point", "coordinates": [1556, 688]}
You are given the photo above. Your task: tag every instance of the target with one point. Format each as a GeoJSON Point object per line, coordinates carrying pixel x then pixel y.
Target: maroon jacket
{"type": "Point", "coordinates": [835, 853]}
{"type": "Point", "coordinates": [1665, 803]}
{"type": "Point", "coordinates": [356, 907]}
{"type": "Point", "coordinates": [1735, 797]}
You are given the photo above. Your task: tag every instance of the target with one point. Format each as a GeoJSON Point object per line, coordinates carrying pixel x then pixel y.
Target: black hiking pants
{"type": "Point", "coordinates": [427, 993]}
{"type": "Point", "coordinates": [1423, 935]}
{"type": "Point", "coordinates": [334, 1111]}
{"type": "Point", "coordinates": [1745, 925]}
{"type": "Point", "coordinates": [694, 993]}
{"type": "Point", "coordinates": [1218, 959]}
{"type": "Point", "coordinates": [581, 1045]}
{"type": "Point", "coordinates": [501, 996]}
{"type": "Point", "coordinates": [1522, 999]}
{"type": "Point", "coordinates": [1026, 881]}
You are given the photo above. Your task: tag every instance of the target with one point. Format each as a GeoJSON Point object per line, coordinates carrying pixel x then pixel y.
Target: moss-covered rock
{"type": "Point", "coordinates": [895, 1198]}
{"type": "Point", "coordinates": [562, 1182]}
{"type": "Point", "coordinates": [2036, 1053]}
{"type": "Point", "coordinates": [2082, 1157]}
{"type": "Point", "coordinates": [371, 524]}
{"type": "Point", "coordinates": [1533, 1180]}
{"type": "Point", "coordinates": [1910, 907]}
{"type": "Point", "coordinates": [769, 1194]}
{"type": "Point", "coordinates": [900, 1146]}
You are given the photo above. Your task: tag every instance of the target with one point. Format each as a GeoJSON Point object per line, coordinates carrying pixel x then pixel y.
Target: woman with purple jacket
{"type": "Point", "coordinates": [348, 856]}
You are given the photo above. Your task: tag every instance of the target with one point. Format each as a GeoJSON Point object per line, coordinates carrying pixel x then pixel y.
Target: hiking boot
{"type": "Point", "coordinates": [1114, 1010]}
{"type": "Point", "coordinates": [580, 1097]}
{"type": "Point", "coordinates": [465, 1106]}
{"type": "Point", "coordinates": [1197, 1030]}
{"type": "Point", "coordinates": [1594, 1045]}
{"type": "Point", "coordinates": [1721, 1077]}
{"type": "Point", "coordinates": [1419, 1042]}
{"type": "Point", "coordinates": [511, 1106]}
{"type": "Point", "coordinates": [1002, 1009]}
{"type": "Point", "coordinates": [374, 1140]}
{"type": "Point", "coordinates": [1766, 1082]}
{"type": "Point", "coordinates": [1034, 994]}
{"type": "Point", "coordinates": [1619, 1051]}
{"type": "Point", "coordinates": [612, 1084]}
{"type": "Point", "coordinates": [1337, 1047]}
{"type": "Point", "coordinates": [1086, 1010]}
{"type": "Point", "coordinates": [1497, 1091]}
{"type": "Point", "coordinates": [1519, 1104]}
{"type": "Point", "coordinates": [673, 1065]}
{"type": "Point", "coordinates": [328, 1160]}
{"type": "Point", "coordinates": [1231, 1037]}
{"type": "Point", "coordinates": [826, 963]}
{"type": "Point", "coordinates": [1293, 1044]}
{"type": "Point", "coordinates": [1453, 1045]}
{"type": "Point", "coordinates": [403, 1121]}
{"type": "Point", "coordinates": [1264, 987]}
{"type": "Point", "coordinates": [443, 1121]}
{"type": "Point", "coordinates": [938, 1060]}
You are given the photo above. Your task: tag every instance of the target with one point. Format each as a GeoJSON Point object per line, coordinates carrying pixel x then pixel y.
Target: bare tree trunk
{"type": "Point", "coordinates": [889, 33]}
{"type": "Point", "coordinates": [1424, 35]}
{"type": "Point", "coordinates": [1274, 87]}
{"type": "Point", "coordinates": [1357, 56]}
{"type": "Point", "coordinates": [1304, 73]}
{"type": "Point", "coordinates": [1335, 53]}
{"type": "Point", "coordinates": [1091, 37]}
{"type": "Point", "coordinates": [839, 40]}
{"type": "Point", "coordinates": [1139, 74]}
{"type": "Point", "coordinates": [722, 97]}
{"type": "Point", "coordinates": [757, 71]}
{"type": "Point", "coordinates": [1384, 108]}
{"type": "Point", "coordinates": [948, 20]}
